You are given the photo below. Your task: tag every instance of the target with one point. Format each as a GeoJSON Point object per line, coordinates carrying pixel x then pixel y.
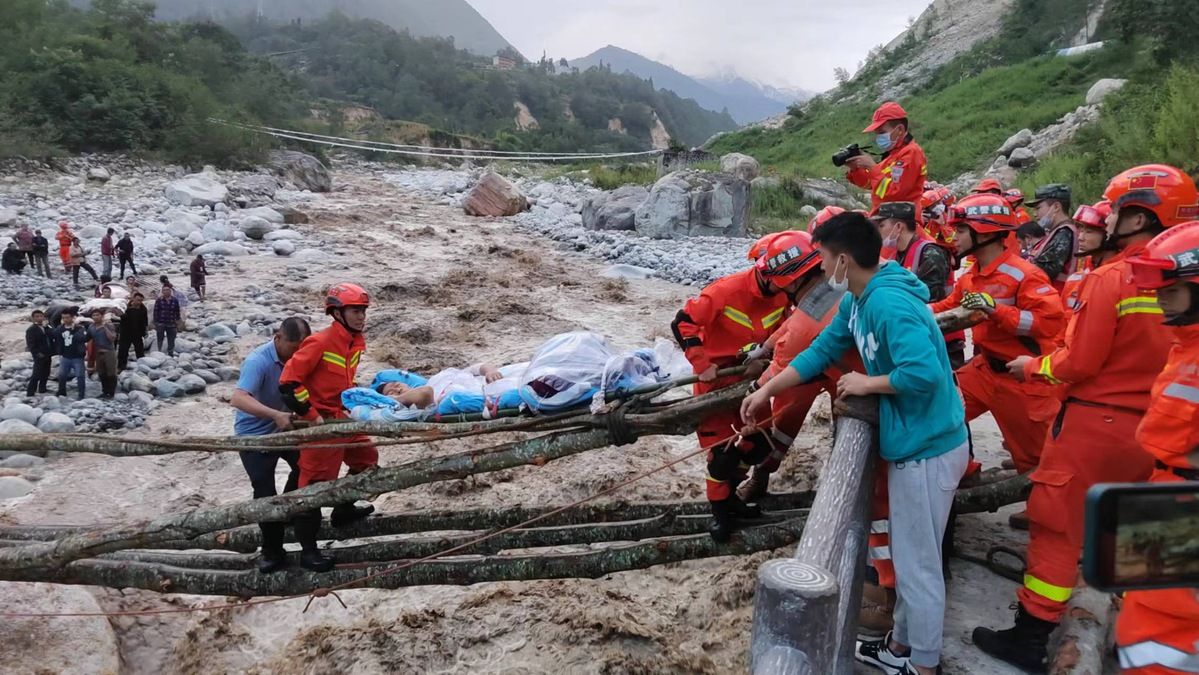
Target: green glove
{"type": "Point", "coordinates": [978, 301]}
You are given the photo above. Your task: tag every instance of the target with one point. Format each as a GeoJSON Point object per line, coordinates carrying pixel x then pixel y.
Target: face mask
{"type": "Point", "coordinates": [892, 239]}
{"type": "Point", "coordinates": [884, 142]}
{"type": "Point", "coordinates": [839, 286]}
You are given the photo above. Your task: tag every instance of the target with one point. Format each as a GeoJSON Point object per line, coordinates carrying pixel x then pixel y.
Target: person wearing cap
{"type": "Point", "coordinates": [903, 169]}
{"type": "Point", "coordinates": [1094, 249]}
{"type": "Point", "coordinates": [987, 186]}
{"type": "Point", "coordinates": [1055, 253]}
{"type": "Point", "coordinates": [1115, 346]}
{"type": "Point", "coordinates": [1015, 197]}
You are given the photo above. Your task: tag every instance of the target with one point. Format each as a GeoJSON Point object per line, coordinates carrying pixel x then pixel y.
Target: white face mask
{"type": "Point", "coordinates": [892, 238]}
{"type": "Point", "coordinates": [842, 285]}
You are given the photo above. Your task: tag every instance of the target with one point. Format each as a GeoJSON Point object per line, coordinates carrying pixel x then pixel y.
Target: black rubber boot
{"type": "Point", "coordinates": [273, 557]}
{"type": "Point", "coordinates": [723, 522]}
{"type": "Point", "coordinates": [756, 487]}
{"type": "Point", "coordinates": [344, 514]}
{"type": "Point", "coordinates": [742, 510]}
{"type": "Point", "coordinates": [1024, 645]}
{"type": "Point", "coordinates": [307, 526]}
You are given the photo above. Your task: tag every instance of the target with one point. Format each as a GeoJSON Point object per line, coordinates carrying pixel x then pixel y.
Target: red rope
{"type": "Point", "coordinates": [323, 592]}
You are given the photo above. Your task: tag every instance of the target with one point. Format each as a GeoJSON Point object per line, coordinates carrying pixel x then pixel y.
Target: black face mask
{"type": "Point", "coordinates": [1116, 238]}
{"type": "Point", "coordinates": [979, 244]}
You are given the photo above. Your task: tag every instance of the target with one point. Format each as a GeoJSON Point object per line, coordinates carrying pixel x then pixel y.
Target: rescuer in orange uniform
{"type": "Point", "coordinates": [1115, 346]}
{"type": "Point", "coordinates": [1157, 632]}
{"type": "Point", "coordinates": [900, 175]}
{"type": "Point", "coordinates": [311, 383]}
{"type": "Point", "coordinates": [729, 324]}
{"type": "Point", "coordinates": [1024, 317]}
{"type": "Point", "coordinates": [1015, 197]}
{"type": "Point", "coordinates": [1094, 249]}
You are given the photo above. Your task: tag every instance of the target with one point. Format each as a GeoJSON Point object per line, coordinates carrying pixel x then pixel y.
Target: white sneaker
{"type": "Point", "coordinates": [878, 653]}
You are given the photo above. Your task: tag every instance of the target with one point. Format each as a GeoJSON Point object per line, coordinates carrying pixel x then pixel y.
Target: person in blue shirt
{"type": "Point", "coordinates": [261, 411]}
{"type": "Point", "coordinates": [922, 428]}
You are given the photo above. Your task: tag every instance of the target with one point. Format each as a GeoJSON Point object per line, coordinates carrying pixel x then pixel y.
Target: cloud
{"type": "Point", "coordinates": [779, 42]}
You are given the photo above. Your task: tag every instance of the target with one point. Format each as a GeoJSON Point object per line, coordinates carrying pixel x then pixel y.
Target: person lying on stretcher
{"type": "Point", "coordinates": [409, 393]}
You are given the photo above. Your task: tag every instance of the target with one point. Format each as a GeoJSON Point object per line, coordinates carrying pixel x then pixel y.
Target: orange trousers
{"type": "Point", "coordinates": [1157, 632]}
{"type": "Point", "coordinates": [320, 463]}
{"type": "Point", "coordinates": [878, 541]}
{"type": "Point", "coordinates": [1088, 444]}
{"type": "Point", "coordinates": [1023, 411]}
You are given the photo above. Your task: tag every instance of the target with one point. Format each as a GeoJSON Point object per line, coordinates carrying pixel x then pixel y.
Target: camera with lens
{"type": "Point", "coordinates": [845, 154]}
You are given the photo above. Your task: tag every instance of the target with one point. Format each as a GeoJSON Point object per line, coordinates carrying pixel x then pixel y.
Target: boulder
{"type": "Point", "coordinates": [282, 234]}
{"type": "Point", "coordinates": [254, 187]}
{"type": "Point", "coordinates": [283, 247]}
{"type": "Point", "coordinates": [217, 330]}
{"type": "Point", "coordinates": [181, 223]}
{"type": "Point", "coordinates": [808, 211]}
{"type": "Point", "coordinates": [56, 423]}
{"type": "Point", "coordinates": [21, 411]}
{"type": "Point", "coordinates": [1101, 89]}
{"type": "Point", "coordinates": [1021, 139]}
{"type": "Point", "coordinates": [8, 216]}
{"type": "Point", "coordinates": [615, 210]}
{"type": "Point", "coordinates": [196, 238]}
{"type": "Point", "coordinates": [314, 254]}
{"type": "Point", "coordinates": [23, 461]}
{"type": "Point", "coordinates": [827, 192]}
{"type": "Point", "coordinates": [494, 196]}
{"type": "Point", "coordinates": [256, 228]}
{"type": "Point", "coordinates": [139, 382]}
{"type": "Point", "coordinates": [20, 427]}
{"type": "Point", "coordinates": [164, 388]}
{"type": "Point", "coordinates": [65, 646]}
{"type": "Point", "coordinates": [766, 183]}
{"type": "Point", "coordinates": [1021, 157]}
{"type": "Point", "coordinates": [264, 212]}
{"type": "Point", "coordinates": [742, 166]}
{"type": "Point", "coordinates": [12, 487]}
{"type": "Point", "coordinates": [304, 171]}
{"type": "Point", "coordinates": [691, 203]}
{"type": "Point", "coordinates": [192, 383]}
{"type": "Point", "coordinates": [196, 190]}
{"type": "Point", "coordinates": [99, 175]}
{"type": "Point", "coordinates": [225, 248]}
{"type": "Point", "coordinates": [217, 230]}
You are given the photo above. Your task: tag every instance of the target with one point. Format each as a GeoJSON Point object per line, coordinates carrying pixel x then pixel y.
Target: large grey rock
{"type": "Point", "coordinates": [692, 203]}
{"type": "Point", "coordinates": [20, 411]}
{"type": "Point", "coordinates": [1020, 139]}
{"type": "Point", "coordinates": [304, 171]}
{"type": "Point", "coordinates": [192, 383]}
{"type": "Point", "coordinates": [256, 228]}
{"type": "Point", "coordinates": [196, 190]}
{"type": "Point", "coordinates": [614, 210]}
{"type": "Point", "coordinates": [182, 223]}
{"type": "Point", "coordinates": [282, 234]}
{"type": "Point", "coordinates": [766, 182]}
{"type": "Point", "coordinates": [164, 388]}
{"type": "Point", "coordinates": [217, 230]}
{"type": "Point", "coordinates": [139, 382]}
{"type": "Point", "coordinates": [68, 646]}
{"type": "Point", "coordinates": [1101, 89]}
{"type": "Point", "coordinates": [283, 247]}
{"type": "Point", "coordinates": [494, 196]}
{"type": "Point", "coordinates": [264, 212]}
{"type": "Point", "coordinates": [99, 175]}
{"type": "Point", "coordinates": [742, 166]}
{"type": "Point", "coordinates": [23, 461]}
{"type": "Point", "coordinates": [8, 216]}
{"type": "Point", "coordinates": [56, 423]}
{"type": "Point", "coordinates": [196, 238]}
{"type": "Point", "coordinates": [1022, 157]}
{"type": "Point", "coordinates": [827, 192]}
{"type": "Point", "coordinates": [217, 330]}
{"type": "Point", "coordinates": [256, 187]}
{"type": "Point", "coordinates": [226, 248]}
{"type": "Point", "coordinates": [15, 426]}
{"type": "Point", "coordinates": [12, 487]}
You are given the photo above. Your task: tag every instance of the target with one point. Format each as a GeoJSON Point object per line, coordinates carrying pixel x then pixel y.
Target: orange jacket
{"type": "Point", "coordinates": [1070, 292]}
{"type": "Point", "coordinates": [899, 177]}
{"type": "Point", "coordinates": [1170, 429]}
{"type": "Point", "coordinates": [797, 334]}
{"type": "Point", "coordinates": [1115, 343]}
{"type": "Point", "coordinates": [1028, 310]}
{"type": "Point", "coordinates": [729, 315]}
{"type": "Point", "coordinates": [322, 368]}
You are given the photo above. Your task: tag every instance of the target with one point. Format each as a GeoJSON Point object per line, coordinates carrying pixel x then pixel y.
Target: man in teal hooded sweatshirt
{"type": "Point", "coordinates": [922, 425]}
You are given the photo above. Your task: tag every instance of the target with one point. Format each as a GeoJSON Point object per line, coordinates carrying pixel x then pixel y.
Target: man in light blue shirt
{"type": "Point", "coordinates": [261, 411]}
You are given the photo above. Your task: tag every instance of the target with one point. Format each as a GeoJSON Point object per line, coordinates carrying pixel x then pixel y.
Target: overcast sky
{"type": "Point", "coordinates": [779, 42]}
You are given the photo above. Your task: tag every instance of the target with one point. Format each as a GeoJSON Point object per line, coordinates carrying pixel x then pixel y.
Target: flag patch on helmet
{"type": "Point", "coordinates": [988, 210]}
{"type": "Point", "coordinates": [1189, 212]}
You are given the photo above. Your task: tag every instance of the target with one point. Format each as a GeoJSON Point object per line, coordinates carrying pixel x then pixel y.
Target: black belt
{"type": "Point", "coordinates": [1185, 474]}
{"type": "Point", "coordinates": [997, 365]}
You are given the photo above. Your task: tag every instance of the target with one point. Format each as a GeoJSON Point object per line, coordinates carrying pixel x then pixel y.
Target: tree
{"type": "Point", "coordinates": [841, 75]}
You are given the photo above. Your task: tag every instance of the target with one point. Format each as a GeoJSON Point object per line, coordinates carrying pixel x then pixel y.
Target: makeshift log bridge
{"type": "Point", "coordinates": [210, 551]}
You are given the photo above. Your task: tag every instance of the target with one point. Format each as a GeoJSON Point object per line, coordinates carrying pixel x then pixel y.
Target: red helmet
{"type": "Point", "coordinates": [346, 295]}
{"type": "Point", "coordinates": [934, 198]}
{"type": "Point", "coordinates": [826, 214]}
{"type": "Point", "coordinates": [759, 248]}
{"type": "Point", "coordinates": [988, 185]}
{"type": "Point", "coordinates": [1172, 256]}
{"type": "Point", "coordinates": [1094, 216]}
{"type": "Point", "coordinates": [788, 258]}
{"type": "Point", "coordinates": [1166, 191]}
{"type": "Point", "coordinates": [1015, 197]}
{"type": "Point", "coordinates": [983, 212]}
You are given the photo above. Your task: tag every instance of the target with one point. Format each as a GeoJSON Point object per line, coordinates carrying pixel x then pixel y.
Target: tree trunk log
{"type": "Point", "coordinates": [1082, 640]}
{"type": "Point", "coordinates": [458, 571]}
{"type": "Point", "coordinates": [34, 559]}
{"type": "Point", "coordinates": [958, 318]}
{"type": "Point", "coordinates": [788, 589]}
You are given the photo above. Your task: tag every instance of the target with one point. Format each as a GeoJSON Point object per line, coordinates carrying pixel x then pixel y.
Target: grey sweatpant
{"type": "Point", "coordinates": [920, 497]}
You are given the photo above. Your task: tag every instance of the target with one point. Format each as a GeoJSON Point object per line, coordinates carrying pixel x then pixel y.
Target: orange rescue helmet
{"type": "Point", "coordinates": [788, 259]}
{"type": "Point", "coordinates": [984, 213]}
{"type": "Point", "coordinates": [341, 296]}
{"type": "Point", "coordinates": [1094, 216]}
{"type": "Point", "coordinates": [1015, 197]}
{"type": "Point", "coordinates": [826, 214]}
{"type": "Point", "coordinates": [759, 248]}
{"type": "Point", "coordinates": [1167, 192]}
{"type": "Point", "coordinates": [988, 185]}
{"type": "Point", "coordinates": [1172, 256]}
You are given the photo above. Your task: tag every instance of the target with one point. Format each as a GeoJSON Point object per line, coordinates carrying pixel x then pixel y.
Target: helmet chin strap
{"type": "Point", "coordinates": [1189, 317]}
{"type": "Point", "coordinates": [339, 317]}
{"type": "Point", "coordinates": [979, 244]}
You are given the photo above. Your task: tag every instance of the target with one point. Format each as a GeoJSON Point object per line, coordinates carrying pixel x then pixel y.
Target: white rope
{"type": "Point", "coordinates": [424, 151]}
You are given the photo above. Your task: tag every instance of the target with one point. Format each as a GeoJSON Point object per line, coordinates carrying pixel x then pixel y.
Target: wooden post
{"type": "Point", "coordinates": [833, 544]}
{"type": "Point", "coordinates": [788, 589]}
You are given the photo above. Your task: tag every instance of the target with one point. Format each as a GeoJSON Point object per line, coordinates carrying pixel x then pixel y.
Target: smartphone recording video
{"type": "Point", "coordinates": [1142, 536]}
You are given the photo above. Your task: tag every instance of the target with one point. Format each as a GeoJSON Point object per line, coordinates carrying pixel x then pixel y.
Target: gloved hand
{"type": "Point", "coordinates": [978, 301]}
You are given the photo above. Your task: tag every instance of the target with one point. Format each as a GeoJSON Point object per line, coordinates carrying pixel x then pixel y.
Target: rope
{"type": "Point", "coordinates": [324, 592]}
{"type": "Point", "coordinates": [359, 145]}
